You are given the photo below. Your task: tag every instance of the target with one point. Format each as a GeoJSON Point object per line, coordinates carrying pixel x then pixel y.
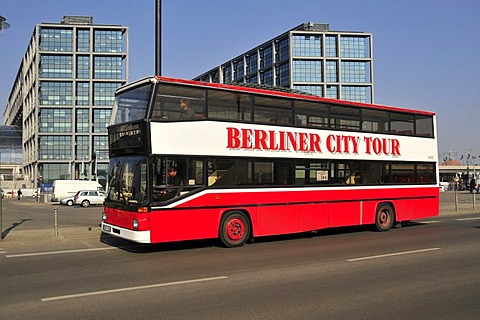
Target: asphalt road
{"type": "Point", "coordinates": [423, 270]}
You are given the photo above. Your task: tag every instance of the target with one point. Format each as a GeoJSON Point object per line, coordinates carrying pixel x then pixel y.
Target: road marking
{"type": "Point", "coordinates": [467, 219]}
{"type": "Point", "coordinates": [392, 254]}
{"type": "Point", "coordinates": [94, 293]}
{"type": "Point", "coordinates": [432, 221]}
{"type": "Point", "coordinates": [21, 255]}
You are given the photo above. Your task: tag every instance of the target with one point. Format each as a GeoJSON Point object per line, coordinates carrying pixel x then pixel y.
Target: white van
{"type": "Point", "coordinates": [68, 188]}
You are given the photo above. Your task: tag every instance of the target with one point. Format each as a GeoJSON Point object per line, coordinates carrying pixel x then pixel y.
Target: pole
{"type": "Point", "coordinates": [158, 37]}
{"type": "Point", "coordinates": [1, 218]}
{"type": "Point", "coordinates": [55, 224]}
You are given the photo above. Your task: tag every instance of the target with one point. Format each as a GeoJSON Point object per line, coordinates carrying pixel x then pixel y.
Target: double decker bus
{"type": "Point", "coordinates": [193, 160]}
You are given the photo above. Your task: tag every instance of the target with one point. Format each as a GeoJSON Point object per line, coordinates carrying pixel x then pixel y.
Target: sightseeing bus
{"type": "Point", "coordinates": [194, 160]}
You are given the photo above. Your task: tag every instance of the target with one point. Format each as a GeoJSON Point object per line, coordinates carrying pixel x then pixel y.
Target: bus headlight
{"type": "Point", "coordinates": [104, 216]}
{"type": "Point", "coordinates": [135, 224]}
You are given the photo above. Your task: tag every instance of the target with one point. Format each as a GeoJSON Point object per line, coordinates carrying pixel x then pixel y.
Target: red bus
{"type": "Point", "coordinates": [193, 160]}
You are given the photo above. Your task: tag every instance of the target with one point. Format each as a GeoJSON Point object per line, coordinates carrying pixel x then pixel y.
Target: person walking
{"type": "Point", "coordinates": [19, 194]}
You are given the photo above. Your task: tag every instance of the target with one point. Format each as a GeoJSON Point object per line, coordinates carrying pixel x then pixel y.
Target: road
{"type": "Point", "coordinates": [425, 270]}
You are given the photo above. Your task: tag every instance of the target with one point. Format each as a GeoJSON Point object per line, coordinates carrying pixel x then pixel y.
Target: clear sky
{"type": "Point", "coordinates": [426, 52]}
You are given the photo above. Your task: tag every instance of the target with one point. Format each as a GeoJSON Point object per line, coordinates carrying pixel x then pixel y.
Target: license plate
{"type": "Point", "coordinates": [106, 228]}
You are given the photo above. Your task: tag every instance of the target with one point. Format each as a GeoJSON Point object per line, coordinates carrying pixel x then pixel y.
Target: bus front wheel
{"type": "Point", "coordinates": [234, 229]}
{"type": "Point", "coordinates": [385, 217]}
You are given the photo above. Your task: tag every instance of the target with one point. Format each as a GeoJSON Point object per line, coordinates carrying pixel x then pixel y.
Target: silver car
{"type": "Point", "coordinates": [68, 201]}
{"type": "Point", "coordinates": [88, 197]}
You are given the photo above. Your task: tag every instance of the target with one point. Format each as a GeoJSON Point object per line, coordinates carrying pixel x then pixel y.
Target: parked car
{"type": "Point", "coordinates": [68, 201]}
{"type": "Point", "coordinates": [88, 197]}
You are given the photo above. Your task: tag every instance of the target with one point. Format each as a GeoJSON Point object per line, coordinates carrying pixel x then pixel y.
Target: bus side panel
{"type": "Point", "coordinates": [276, 220]}
{"type": "Point", "coordinates": [312, 216]}
{"type": "Point", "coordinates": [368, 211]}
{"type": "Point", "coordinates": [344, 214]}
{"type": "Point", "coordinates": [425, 208]}
{"type": "Point", "coordinates": [177, 225]}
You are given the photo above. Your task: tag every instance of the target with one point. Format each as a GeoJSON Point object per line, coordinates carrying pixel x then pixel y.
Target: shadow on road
{"type": "Point", "coordinates": [14, 225]}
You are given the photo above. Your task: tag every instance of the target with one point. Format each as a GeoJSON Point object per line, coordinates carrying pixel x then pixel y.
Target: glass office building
{"type": "Point", "coordinates": [310, 58]}
{"type": "Point", "coordinates": [63, 95]}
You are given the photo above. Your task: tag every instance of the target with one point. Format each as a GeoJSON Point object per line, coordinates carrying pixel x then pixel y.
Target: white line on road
{"type": "Point", "coordinates": [467, 219]}
{"type": "Point", "coordinates": [392, 254]}
{"type": "Point", "coordinates": [94, 293]}
{"type": "Point", "coordinates": [21, 255]}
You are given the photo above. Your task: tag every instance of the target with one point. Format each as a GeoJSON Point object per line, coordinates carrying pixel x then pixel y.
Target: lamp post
{"type": "Point", "coordinates": [3, 25]}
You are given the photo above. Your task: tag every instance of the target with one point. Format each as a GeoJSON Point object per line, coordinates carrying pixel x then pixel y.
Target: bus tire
{"type": "Point", "coordinates": [385, 217]}
{"type": "Point", "coordinates": [234, 229]}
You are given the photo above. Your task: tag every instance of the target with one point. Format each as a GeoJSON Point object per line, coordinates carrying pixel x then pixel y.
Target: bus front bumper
{"type": "Point", "coordinates": [132, 235]}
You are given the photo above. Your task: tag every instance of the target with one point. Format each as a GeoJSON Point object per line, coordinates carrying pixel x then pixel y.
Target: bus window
{"type": "Point", "coordinates": [401, 123]}
{"type": "Point", "coordinates": [342, 117]}
{"type": "Point", "coordinates": [311, 114]}
{"type": "Point", "coordinates": [423, 126]}
{"type": "Point", "coordinates": [268, 110]}
{"type": "Point", "coordinates": [168, 101]}
{"type": "Point", "coordinates": [226, 105]}
{"type": "Point", "coordinates": [374, 120]}
{"type": "Point", "coordinates": [227, 172]}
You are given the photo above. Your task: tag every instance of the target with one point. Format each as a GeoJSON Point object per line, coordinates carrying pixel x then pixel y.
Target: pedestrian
{"type": "Point", "coordinates": [19, 194]}
{"type": "Point", "coordinates": [473, 185]}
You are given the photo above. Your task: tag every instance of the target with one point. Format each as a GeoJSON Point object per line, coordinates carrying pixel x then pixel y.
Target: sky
{"type": "Point", "coordinates": [426, 52]}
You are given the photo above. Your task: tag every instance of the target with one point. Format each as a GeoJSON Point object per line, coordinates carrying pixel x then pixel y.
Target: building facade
{"type": "Point", "coordinates": [310, 58]}
{"type": "Point", "coordinates": [63, 95]}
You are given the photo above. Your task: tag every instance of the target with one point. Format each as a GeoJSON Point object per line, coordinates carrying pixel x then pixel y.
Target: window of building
{"type": "Point", "coordinates": [108, 41]}
{"type": "Point", "coordinates": [55, 120]}
{"type": "Point", "coordinates": [56, 39]}
{"type": "Point", "coordinates": [331, 70]}
{"type": "Point", "coordinates": [56, 66]}
{"type": "Point", "coordinates": [252, 64]}
{"type": "Point", "coordinates": [266, 77]}
{"type": "Point", "coordinates": [104, 93]}
{"type": "Point", "coordinates": [238, 72]}
{"type": "Point", "coordinates": [82, 121]}
{"type": "Point", "coordinates": [354, 47]}
{"type": "Point", "coordinates": [283, 75]}
{"type": "Point", "coordinates": [101, 119]}
{"type": "Point", "coordinates": [331, 46]}
{"type": "Point", "coordinates": [355, 71]}
{"type": "Point", "coordinates": [56, 171]}
{"type": "Point", "coordinates": [282, 50]}
{"type": "Point", "coordinates": [100, 147]}
{"type": "Point", "coordinates": [312, 89]}
{"type": "Point", "coordinates": [83, 67]}
{"type": "Point", "coordinates": [358, 94]}
{"type": "Point", "coordinates": [82, 148]}
{"type": "Point", "coordinates": [307, 71]}
{"type": "Point", "coordinates": [55, 93]}
{"type": "Point", "coordinates": [266, 58]}
{"type": "Point", "coordinates": [108, 68]}
{"type": "Point", "coordinates": [82, 94]}
{"type": "Point", "coordinates": [332, 92]}
{"type": "Point", "coordinates": [227, 74]}
{"type": "Point", "coordinates": [83, 40]}
{"type": "Point", "coordinates": [55, 148]}
{"type": "Point", "coordinates": [307, 45]}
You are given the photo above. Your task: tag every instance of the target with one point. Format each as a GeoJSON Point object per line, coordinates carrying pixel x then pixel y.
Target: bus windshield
{"type": "Point", "coordinates": [128, 180]}
{"type": "Point", "coordinates": [132, 105]}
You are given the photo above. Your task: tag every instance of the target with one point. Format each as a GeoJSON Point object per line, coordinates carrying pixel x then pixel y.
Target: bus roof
{"type": "Point", "coordinates": [272, 91]}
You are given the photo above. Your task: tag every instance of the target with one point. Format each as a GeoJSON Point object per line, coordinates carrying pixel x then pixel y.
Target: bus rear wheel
{"type": "Point", "coordinates": [234, 229]}
{"type": "Point", "coordinates": [385, 217]}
